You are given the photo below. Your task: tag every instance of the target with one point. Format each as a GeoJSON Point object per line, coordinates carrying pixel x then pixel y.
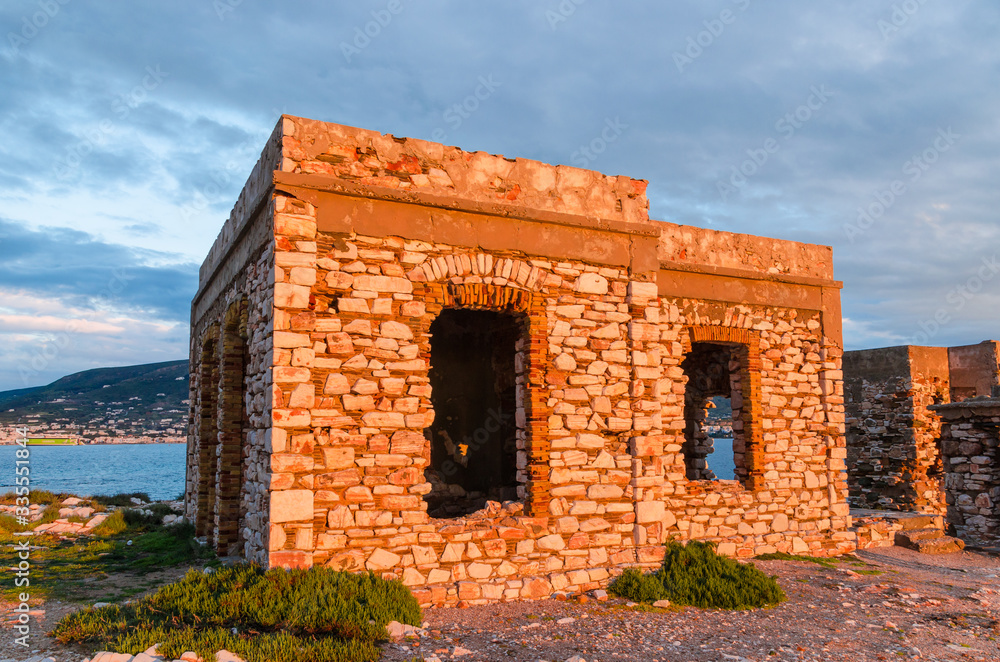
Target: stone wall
{"type": "Point", "coordinates": [892, 437]}
{"type": "Point", "coordinates": [974, 370]}
{"type": "Point", "coordinates": [971, 446]}
{"type": "Point", "coordinates": [228, 482]}
{"type": "Point", "coordinates": [375, 236]}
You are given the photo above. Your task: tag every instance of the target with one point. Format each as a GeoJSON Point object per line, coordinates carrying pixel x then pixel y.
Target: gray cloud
{"type": "Point", "coordinates": [82, 271]}
{"type": "Point", "coordinates": [560, 79]}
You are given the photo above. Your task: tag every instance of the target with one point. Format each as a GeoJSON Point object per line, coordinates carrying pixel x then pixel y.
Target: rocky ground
{"type": "Point", "coordinates": [899, 605]}
{"type": "Point", "coordinates": [923, 607]}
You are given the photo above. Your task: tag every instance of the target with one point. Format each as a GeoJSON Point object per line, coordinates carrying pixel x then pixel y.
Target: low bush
{"type": "Point", "coordinates": [41, 497]}
{"type": "Point", "coordinates": [112, 525]}
{"type": "Point", "coordinates": [121, 500]}
{"type": "Point", "coordinates": [263, 616]}
{"type": "Point", "coordinates": [695, 575]}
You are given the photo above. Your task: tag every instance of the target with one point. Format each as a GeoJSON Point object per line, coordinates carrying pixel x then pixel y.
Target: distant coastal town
{"type": "Point", "coordinates": [44, 435]}
{"type": "Point", "coordinates": [143, 404]}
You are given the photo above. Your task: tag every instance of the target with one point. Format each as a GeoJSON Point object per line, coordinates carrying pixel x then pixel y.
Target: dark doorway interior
{"type": "Point", "coordinates": [473, 377]}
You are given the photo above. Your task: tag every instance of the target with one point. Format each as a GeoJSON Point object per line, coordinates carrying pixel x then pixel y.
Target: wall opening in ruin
{"type": "Point", "coordinates": [231, 426]}
{"type": "Point", "coordinates": [208, 390]}
{"type": "Point", "coordinates": [714, 375]}
{"type": "Point", "coordinates": [476, 386]}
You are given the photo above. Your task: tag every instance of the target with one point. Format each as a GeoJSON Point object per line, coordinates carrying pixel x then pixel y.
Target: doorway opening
{"type": "Point", "coordinates": [714, 440]}
{"type": "Point", "coordinates": [477, 384]}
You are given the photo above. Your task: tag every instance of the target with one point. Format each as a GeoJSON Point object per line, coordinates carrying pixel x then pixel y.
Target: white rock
{"type": "Point", "coordinates": [458, 651]}
{"type": "Point", "coordinates": [566, 621]}
{"type": "Point", "coordinates": [225, 656]}
{"type": "Point", "coordinates": [662, 603]}
{"type": "Point", "coordinates": [575, 658]}
{"type": "Point", "coordinates": [399, 630]}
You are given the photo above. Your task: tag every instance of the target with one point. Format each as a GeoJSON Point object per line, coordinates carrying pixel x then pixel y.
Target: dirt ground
{"type": "Point", "coordinates": [43, 617]}
{"type": "Point", "coordinates": [917, 607]}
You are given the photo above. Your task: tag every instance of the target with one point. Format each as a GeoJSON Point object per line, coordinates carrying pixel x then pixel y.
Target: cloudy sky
{"type": "Point", "coordinates": [129, 128]}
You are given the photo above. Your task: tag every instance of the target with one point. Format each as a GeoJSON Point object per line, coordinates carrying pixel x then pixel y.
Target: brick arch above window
{"type": "Point", "coordinates": [723, 334]}
{"type": "Point", "coordinates": [517, 273]}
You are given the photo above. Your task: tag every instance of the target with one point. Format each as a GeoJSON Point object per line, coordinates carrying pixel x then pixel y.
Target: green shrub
{"type": "Point", "coordinates": [41, 497]}
{"type": "Point", "coordinates": [136, 519]}
{"type": "Point", "coordinates": [121, 500]}
{"type": "Point", "coordinates": [113, 525]}
{"type": "Point", "coordinates": [50, 514]}
{"type": "Point", "coordinates": [10, 524]}
{"type": "Point", "coordinates": [274, 615]}
{"type": "Point", "coordinates": [696, 576]}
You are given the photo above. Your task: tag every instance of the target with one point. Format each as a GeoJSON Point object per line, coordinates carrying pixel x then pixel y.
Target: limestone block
{"type": "Point", "coordinates": [438, 576]}
{"type": "Point", "coordinates": [379, 419]}
{"type": "Point", "coordinates": [276, 538]}
{"type": "Point", "coordinates": [288, 340]}
{"type": "Point", "coordinates": [287, 295]}
{"type": "Point", "coordinates": [289, 375]}
{"type": "Point", "coordinates": [294, 225]}
{"type": "Point", "coordinates": [291, 463]}
{"type": "Point", "coordinates": [607, 331]}
{"type": "Point", "coordinates": [303, 397]}
{"type": "Point", "coordinates": [779, 523]}
{"type": "Point", "coordinates": [647, 512]}
{"type": "Point", "coordinates": [382, 559]}
{"type": "Point", "coordinates": [591, 283]}
{"type": "Point", "coordinates": [396, 330]}
{"type": "Point", "coordinates": [359, 328]}
{"type": "Point", "coordinates": [336, 384]}
{"type": "Point", "coordinates": [479, 570]}
{"type": "Point", "coordinates": [291, 506]}
{"type": "Point", "coordinates": [552, 542]}
{"type": "Point", "coordinates": [423, 555]}
{"type": "Point", "coordinates": [452, 552]}
{"type": "Point", "coordinates": [604, 492]}
{"type": "Point", "coordinates": [589, 441]}
{"type": "Point", "coordinates": [352, 305]}
{"type": "Point", "coordinates": [564, 362]}
{"type": "Point", "coordinates": [302, 276]}
{"type": "Point", "coordinates": [340, 517]}
{"type": "Point", "coordinates": [383, 284]}
{"type": "Point", "coordinates": [338, 457]}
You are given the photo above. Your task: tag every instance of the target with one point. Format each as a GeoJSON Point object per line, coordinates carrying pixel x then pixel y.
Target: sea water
{"type": "Point", "coordinates": [157, 469]}
{"type": "Point", "coordinates": [721, 459]}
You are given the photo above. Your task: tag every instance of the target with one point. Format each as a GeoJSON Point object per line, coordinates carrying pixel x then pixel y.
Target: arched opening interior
{"type": "Point", "coordinates": [714, 439]}
{"type": "Point", "coordinates": [208, 436]}
{"type": "Point", "coordinates": [231, 426]}
{"type": "Point", "coordinates": [477, 385]}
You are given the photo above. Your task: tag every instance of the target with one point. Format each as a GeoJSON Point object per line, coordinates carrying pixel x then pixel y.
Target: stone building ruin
{"type": "Point", "coordinates": [970, 446]}
{"type": "Point", "coordinates": [487, 376]}
{"type": "Point", "coordinates": [894, 436]}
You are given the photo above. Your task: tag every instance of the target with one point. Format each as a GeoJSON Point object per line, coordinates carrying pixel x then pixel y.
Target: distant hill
{"type": "Point", "coordinates": [135, 399]}
{"type": "Point", "coordinates": [722, 412]}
